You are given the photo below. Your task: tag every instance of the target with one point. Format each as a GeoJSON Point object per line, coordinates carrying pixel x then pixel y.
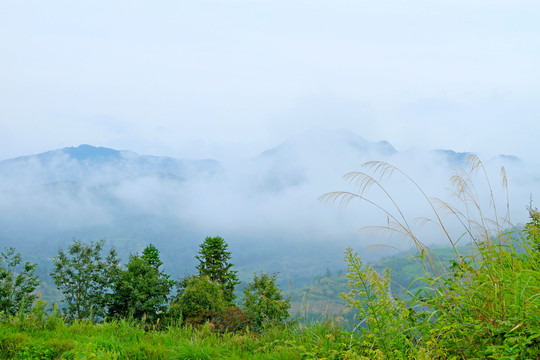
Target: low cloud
{"type": "Point", "coordinates": [268, 202]}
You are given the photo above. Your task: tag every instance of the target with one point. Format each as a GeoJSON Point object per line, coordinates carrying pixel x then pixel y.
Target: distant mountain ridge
{"type": "Point", "coordinates": [86, 152]}
{"type": "Point", "coordinates": [87, 163]}
{"type": "Point", "coordinates": [81, 152]}
{"type": "Point", "coordinates": [76, 162]}
{"type": "Point", "coordinates": [297, 160]}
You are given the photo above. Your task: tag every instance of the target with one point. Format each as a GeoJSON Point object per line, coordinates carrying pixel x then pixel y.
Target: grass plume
{"type": "Point", "coordinates": [484, 302]}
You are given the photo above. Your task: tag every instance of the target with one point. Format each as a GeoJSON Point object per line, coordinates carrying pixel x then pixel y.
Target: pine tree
{"type": "Point", "coordinates": [214, 263]}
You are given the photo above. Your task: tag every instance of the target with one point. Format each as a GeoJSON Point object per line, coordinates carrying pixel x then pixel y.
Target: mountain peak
{"type": "Point", "coordinates": [85, 152]}
{"type": "Point", "coordinates": [319, 140]}
{"type": "Point", "coordinates": [457, 159]}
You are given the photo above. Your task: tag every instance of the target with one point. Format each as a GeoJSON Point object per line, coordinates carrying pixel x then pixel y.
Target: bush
{"type": "Point", "coordinates": [232, 319]}
{"type": "Point", "coordinates": [200, 300]}
{"type": "Point", "coordinates": [264, 302]}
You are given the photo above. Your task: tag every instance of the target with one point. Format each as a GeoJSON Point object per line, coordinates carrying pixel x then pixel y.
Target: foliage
{"type": "Point", "coordinates": [214, 263]}
{"type": "Point", "coordinates": [264, 302]}
{"type": "Point", "coordinates": [231, 319]}
{"type": "Point", "coordinates": [140, 290]}
{"type": "Point", "coordinates": [85, 278]}
{"type": "Point", "coordinates": [483, 304]}
{"type": "Point", "coordinates": [384, 319]}
{"type": "Point", "coordinates": [320, 299]}
{"type": "Point", "coordinates": [200, 299]}
{"type": "Point", "coordinates": [17, 282]}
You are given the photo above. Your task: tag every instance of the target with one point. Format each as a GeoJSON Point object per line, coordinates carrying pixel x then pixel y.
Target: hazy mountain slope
{"type": "Point", "coordinates": [314, 153]}
{"type": "Point", "coordinates": [265, 207]}
{"type": "Point", "coordinates": [91, 164]}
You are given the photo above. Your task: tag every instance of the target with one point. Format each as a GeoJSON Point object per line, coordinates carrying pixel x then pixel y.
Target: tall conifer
{"type": "Point", "coordinates": [214, 263]}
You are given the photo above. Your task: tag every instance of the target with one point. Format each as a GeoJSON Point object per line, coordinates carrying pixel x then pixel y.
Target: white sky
{"type": "Point", "coordinates": [225, 78]}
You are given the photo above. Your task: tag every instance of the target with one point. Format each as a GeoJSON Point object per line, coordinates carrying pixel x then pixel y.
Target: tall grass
{"type": "Point", "coordinates": [486, 303]}
{"type": "Point", "coordinates": [122, 339]}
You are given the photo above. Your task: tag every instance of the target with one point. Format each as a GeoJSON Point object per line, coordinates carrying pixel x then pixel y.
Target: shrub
{"type": "Point", "coordinates": [231, 319]}
{"type": "Point", "coordinates": [200, 300]}
{"type": "Point", "coordinates": [264, 302]}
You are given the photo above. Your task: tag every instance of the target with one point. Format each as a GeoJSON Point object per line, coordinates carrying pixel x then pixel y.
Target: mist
{"type": "Point", "coordinates": [266, 207]}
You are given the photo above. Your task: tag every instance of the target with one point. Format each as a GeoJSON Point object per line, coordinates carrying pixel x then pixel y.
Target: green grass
{"type": "Point", "coordinates": [127, 340]}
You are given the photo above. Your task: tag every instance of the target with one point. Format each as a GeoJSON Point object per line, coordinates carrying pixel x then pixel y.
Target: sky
{"type": "Point", "coordinates": [229, 79]}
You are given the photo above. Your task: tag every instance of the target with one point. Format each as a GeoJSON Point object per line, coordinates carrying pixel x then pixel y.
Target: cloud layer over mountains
{"type": "Point", "coordinates": [264, 204]}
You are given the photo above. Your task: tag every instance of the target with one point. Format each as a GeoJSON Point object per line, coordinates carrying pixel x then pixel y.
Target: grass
{"type": "Point", "coordinates": [128, 340]}
{"type": "Point", "coordinates": [483, 304]}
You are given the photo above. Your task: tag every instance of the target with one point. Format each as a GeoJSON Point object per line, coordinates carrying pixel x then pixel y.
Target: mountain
{"type": "Point", "coordinates": [320, 143]}
{"type": "Point", "coordinates": [455, 159]}
{"type": "Point", "coordinates": [312, 154]}
{"type": "Point", "coordinates": [91, 164]}
{"type": "Point", "coordinates": [93, 192]}
{"type": "Point", "coordinates": [265, 207]}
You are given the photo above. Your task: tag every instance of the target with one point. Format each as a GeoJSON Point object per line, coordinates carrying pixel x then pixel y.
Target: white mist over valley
{"type": "Point", "coordinates": [266, 207]}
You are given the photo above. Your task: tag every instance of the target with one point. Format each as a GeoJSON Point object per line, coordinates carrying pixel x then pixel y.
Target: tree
{"type": "Point", "coordinates": [214, 263]}
{"type": "Point", "coordinates": [85, 278]}
{"type": "Point", "coordinates": [264, 302]}
{"type": "Point", "coordinates": [140, 291]}
{"type": "Point", "coordinates": [328, 273]}
{"type": "Point", "coordinates": [199, 299]}
{"type": "Point", "coordinates": [17, 282]}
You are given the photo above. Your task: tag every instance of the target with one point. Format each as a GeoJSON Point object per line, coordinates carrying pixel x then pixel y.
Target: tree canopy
{"type": "Point", "coordinates": [214, 263]}
{"type": "Point", "coordinates": [85, 278]}
{"type": "Point", "coordinates": [17, 282]}
{"type": "Point", "coordinates": [140, 290]}
{"type": "Point", "coordinates": [264, 301]}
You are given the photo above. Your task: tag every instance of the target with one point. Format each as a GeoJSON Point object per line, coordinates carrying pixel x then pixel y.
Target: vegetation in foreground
{"type": "Point", "coordinates": [484, 304]}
